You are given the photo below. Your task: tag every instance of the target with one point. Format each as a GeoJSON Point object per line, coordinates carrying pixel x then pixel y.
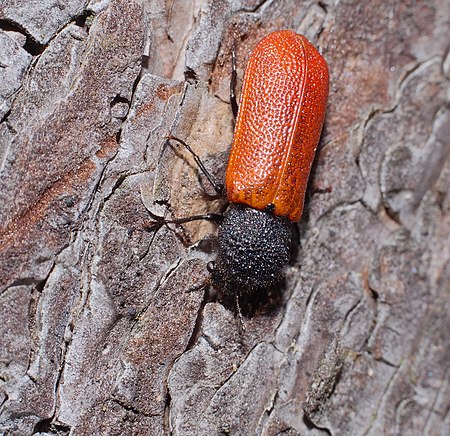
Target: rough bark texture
{"type": "Point", "coordinates": [107, 329]}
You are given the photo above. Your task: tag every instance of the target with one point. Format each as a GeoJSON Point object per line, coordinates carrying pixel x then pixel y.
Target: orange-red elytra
{"type": "Point", "coordinates": [282, 109]}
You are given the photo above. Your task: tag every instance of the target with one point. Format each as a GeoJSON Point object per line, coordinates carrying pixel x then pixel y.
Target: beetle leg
{"type": "Point", "coordinates": [219, 187]}
{"type": "Point", "coordinates": [241, 320]}
{"type": "Point", "coordinates": [233, 80]}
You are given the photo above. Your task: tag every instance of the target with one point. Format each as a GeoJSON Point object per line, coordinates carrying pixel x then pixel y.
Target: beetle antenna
{"type": "Point", "coordinates": [157, 222]}
{"type": "Point", "coordinates": [218, 187]}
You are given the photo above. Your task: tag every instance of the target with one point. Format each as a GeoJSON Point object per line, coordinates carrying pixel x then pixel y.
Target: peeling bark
{"type": "Point", "coordinates": [109, 329]}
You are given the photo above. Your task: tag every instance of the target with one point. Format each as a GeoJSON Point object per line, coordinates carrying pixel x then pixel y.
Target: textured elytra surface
{"type": "Point", "coordinates": [103, 327]}
{"type": "Point", "coordinates": [282, 108]}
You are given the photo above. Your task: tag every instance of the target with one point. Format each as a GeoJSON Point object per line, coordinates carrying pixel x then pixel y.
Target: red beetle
{"type": "Point", "coordinates": [280, 118]}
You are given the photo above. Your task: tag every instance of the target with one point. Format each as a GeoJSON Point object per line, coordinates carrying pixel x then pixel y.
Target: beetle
{"type": "Point", "coordinates": [278, 126]}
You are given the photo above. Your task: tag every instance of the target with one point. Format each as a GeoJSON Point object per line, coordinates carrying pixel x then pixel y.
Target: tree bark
{"type": "Point", "coordinates": [109, 329]}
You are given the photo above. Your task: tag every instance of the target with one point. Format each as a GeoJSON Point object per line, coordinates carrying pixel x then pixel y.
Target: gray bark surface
{"type": "Point", "coordinates": [106, 329]}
